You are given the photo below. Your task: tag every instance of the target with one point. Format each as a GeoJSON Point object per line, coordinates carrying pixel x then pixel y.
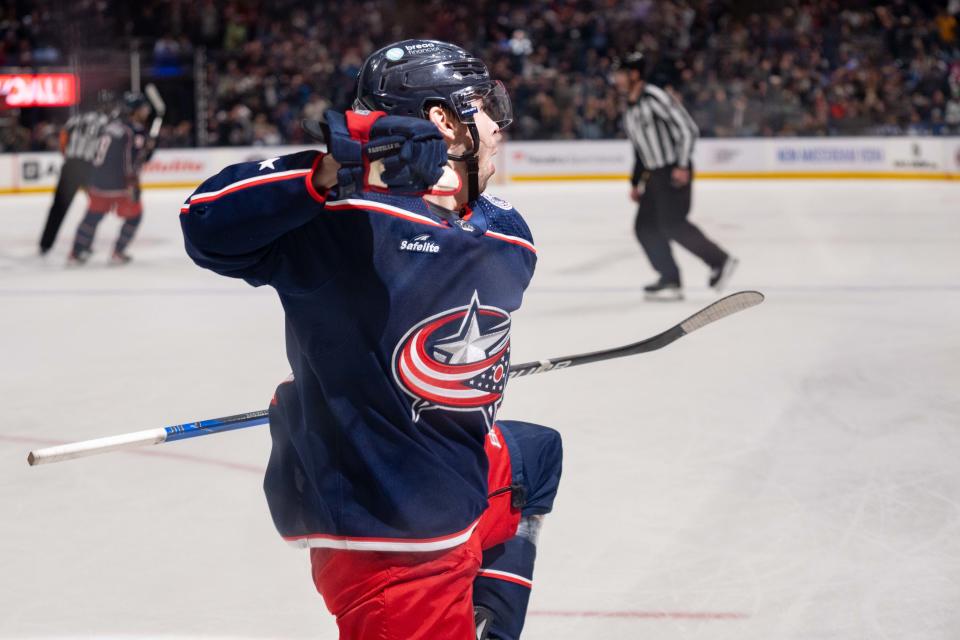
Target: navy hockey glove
{"type": "Point", "coordinates": [377, 152]}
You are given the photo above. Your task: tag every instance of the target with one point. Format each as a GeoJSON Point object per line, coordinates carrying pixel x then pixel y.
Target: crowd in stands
{"type": "Point", "coordinates": [741, 67]}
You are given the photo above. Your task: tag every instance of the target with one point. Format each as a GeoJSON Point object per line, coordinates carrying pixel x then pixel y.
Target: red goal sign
{"type": "Point", "coordinates": [38, 90]}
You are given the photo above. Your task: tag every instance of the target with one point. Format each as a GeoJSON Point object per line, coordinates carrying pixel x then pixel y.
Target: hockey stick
{"type": "Point", "coordinates": [147, 437]}
{"type": "Point", "coordinates": [711, 313]}
{"type": "Point", "coordinates": [159, 108]}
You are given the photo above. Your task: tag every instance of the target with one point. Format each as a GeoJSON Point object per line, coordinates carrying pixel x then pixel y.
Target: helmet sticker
{"type": "Point", "coordinates": [394, 54]}
{"type": "Point", "coordinates": [420, 46]}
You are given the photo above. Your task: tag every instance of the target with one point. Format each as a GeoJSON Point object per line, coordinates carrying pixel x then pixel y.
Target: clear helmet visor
{"type": "Point", "coordinates": [491, 98]}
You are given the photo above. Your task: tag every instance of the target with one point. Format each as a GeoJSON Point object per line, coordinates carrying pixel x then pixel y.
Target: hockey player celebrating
{"type": "Point", "coordinates": [114, 182]}
{"type": "Point", "coordinates": [398, 277]}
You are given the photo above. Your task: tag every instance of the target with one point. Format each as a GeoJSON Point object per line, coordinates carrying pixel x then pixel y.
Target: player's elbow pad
{"type": "Point", "coordinates": [252, 266]}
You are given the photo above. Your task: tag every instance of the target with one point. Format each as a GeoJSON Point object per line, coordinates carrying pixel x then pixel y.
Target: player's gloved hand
{"type": "Point", "coordinates": [377, 152]}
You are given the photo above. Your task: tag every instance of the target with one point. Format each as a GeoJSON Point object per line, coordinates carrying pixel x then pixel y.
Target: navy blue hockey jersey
{"type": "Point", "coordinates": [398, 335]}
{"type": "Point", "coordinates": [122, 150]}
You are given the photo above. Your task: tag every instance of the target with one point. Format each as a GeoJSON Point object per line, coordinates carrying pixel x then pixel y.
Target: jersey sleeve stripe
{"type": "Point", "coordinates": [512, 240]}
{"type": "Point", "coordinates": [509, 577]}
{"type": "Point", "coordinates": [247, 183]}
{"type": "Point", "coordinates": [324, 541]}
{"type": "Point", "coordinates": [308, 180]}
{"type": "Point", "coordinates": [379, 207]}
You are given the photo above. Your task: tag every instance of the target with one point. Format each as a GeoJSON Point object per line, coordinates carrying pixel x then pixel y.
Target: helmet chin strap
{"type": "Point", "coordinates": [473, 164]}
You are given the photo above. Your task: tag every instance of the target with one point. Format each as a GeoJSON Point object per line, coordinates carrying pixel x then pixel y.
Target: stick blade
{"type": "Point", "coordinates": [156, 101]}
{"type": "Point", "coordinates": [722, 308]}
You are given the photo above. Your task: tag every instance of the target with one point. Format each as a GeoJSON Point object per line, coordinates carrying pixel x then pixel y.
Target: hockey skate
{"type": "Point", "coordinates": [78, 258]}
{"type": "Point", "coordinates": [119, 258]}
{"type": "Point", "coordinates": [721, 275]}
{"type": "Point", "coordinates": [663, 291]}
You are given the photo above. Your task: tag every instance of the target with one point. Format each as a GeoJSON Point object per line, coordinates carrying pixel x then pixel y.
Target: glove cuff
{"type": "Point", "coordinates": [359, 123]}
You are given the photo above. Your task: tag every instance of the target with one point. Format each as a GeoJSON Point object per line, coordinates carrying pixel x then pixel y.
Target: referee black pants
{"type": "Point", "coordinates": [74, 174]}
{"type": "Point", "coordinates": [662, 217]}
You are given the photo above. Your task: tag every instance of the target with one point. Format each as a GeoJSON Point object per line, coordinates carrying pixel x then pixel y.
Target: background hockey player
{"type": "Point", "coordinates": [114, 183]}
{"type": "Point", "coordinates": [663, 135]}
{"type": "Point", "coordinates": [420, 509]}
{"type": "Point", "coordinates": [79, 140]}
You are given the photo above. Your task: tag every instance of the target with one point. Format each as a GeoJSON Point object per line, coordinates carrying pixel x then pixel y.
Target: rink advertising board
{"type": "Point", "coordinates": [167, 169]}
{"type": "Point", "coordinates": [833, 158]}
{"type": "Point", "coordinates": [38, 90]}
{"type": "Point", "coordinates": [829, 158]}
{"type": "Point", "coordinates": [565, 160]}
{"type": "Point", "coordinates": [953, 155]}
{"type": "Point", "coordinates": [859, 157]}
{"type": "Point", "coordinates": [613, 159]}
{"type": "Point", "coordinates": [792, 158]}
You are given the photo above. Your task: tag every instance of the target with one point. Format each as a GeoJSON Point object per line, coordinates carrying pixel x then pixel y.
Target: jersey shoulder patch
{"type": "Point", "coordinates": [504, 219]}
{"type": "Point", "coordinates": [500, 203]}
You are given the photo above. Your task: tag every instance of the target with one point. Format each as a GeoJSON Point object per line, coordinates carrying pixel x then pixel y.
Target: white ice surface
{"type": "Point", "coordinates": [792, 472]}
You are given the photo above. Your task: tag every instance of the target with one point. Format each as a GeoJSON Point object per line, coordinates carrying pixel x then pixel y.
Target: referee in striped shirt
{"type": "Point", "coordinates": [663, 135]}
{"type": "Point", "coordinates": [79, 141]}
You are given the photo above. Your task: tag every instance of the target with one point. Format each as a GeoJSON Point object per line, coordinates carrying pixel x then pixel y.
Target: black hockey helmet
{"type": "Point", "coordinates": [133, 100]}
{"type": "Point", "coordinates": [633, 61]}
{"type": "Point", "coordinates": [407, 77]}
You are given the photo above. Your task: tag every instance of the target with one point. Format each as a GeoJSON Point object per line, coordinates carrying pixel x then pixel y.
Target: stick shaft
{"type": "Point", "coordinates": [145, 438]}
{"type": "Point", "coordinates": [711, 313]}
{"type": "Point", "coordinates": [216, 425]}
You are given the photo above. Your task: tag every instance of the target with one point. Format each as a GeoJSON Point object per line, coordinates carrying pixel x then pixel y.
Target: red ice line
{"type": "Point", "coordinates": [638, 615]}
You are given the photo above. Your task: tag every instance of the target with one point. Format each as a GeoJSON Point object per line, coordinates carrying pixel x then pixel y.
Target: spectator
{"type": "Point", "coordinates": [812, 67]}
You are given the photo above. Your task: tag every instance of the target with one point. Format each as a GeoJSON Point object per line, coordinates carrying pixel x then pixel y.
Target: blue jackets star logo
{"type": "Point", "coordinates": [457, 360]}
